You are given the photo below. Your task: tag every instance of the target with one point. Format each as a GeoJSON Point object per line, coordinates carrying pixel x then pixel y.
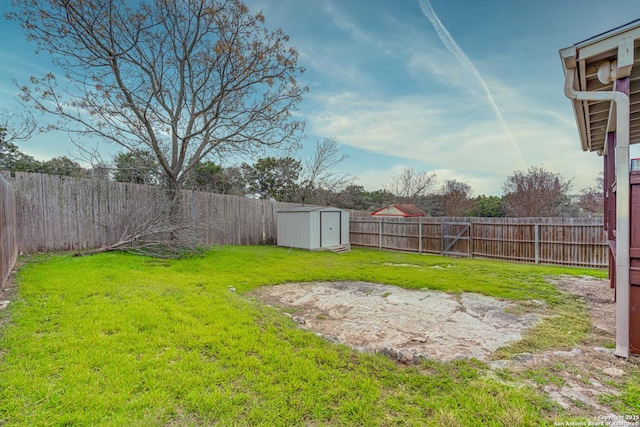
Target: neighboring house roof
{"type": "Point", "coordinates": [400, 209]}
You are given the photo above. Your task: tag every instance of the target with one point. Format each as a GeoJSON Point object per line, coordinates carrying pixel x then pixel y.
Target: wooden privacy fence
{"type": "Point", "coordinates": [48, 212]}
{"type": "Point", "coordinates": [565, 241]}
{"type": "Point", "coordinates": [62, 213]}
{"type": "Point", "coordinates": [8, 227]}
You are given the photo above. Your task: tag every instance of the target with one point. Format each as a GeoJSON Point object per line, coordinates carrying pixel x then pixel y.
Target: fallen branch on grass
{"type": "Point", "coordinates": [160, 232]}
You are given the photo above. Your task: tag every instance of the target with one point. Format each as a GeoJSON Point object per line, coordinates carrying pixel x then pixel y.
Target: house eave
{"type": "Point", "coordinates": [619, 48]}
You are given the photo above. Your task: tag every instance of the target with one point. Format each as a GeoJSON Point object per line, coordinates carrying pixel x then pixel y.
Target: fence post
{"type": "Point", "coordinates": [536, 234]}
{"type": "Point", "coordinates": [193, 207]}
{"type": "Point", "coordinates": [470, 237]}
{"type": "Point", "coordinates": [380, 234]}
{"type": "Point", "coordinates": [420, 237]}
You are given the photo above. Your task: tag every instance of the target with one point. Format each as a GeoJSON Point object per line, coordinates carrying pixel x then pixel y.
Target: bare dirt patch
{"type": "Point", "coordinates": [7, 293]}
{"type": "Point", "coordinates": [598, 296]}
{"type": "Point", "coordinates": [409, 325]}
{"type": "Point", "coordinates": [581, 379]}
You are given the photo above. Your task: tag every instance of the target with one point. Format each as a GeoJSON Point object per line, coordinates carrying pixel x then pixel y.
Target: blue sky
{"type": "Point", "coordinates": [470, 90]}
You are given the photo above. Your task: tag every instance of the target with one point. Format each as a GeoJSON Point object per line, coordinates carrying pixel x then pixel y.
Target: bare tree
{"type": "Point", "coordinates": [410, 186]}
{"type": "Point", "coordinates": [16, 125]}
{"type": "Point", "coordinates": [536, 192]}
{"type": "Point", "coordinates": [182, 79]}
{"type": "Point", "coordinates": [320, 178]}
{"type": "Point", "coordinates": [455, 198]}
{"type": "Point", "coordinates": [100, 170]}
{"type": "Point", "coordinates": [592, 198]}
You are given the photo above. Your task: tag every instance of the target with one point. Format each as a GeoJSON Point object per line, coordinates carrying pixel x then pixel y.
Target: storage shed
{"type": "Point", "coordinates": [314, 228]}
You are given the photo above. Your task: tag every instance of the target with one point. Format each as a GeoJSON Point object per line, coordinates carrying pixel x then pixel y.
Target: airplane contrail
{"type": "Point", "coordinates": [451, 45]}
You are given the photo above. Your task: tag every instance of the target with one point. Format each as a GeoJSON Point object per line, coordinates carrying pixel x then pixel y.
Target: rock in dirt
{"type": "Point", "coordinates": [522, 357]}
{"type": "Point", "coordinates": [299, 319]}
{"type": "Point", "coordinates": [573, 353]}
{"type": "Point", "coordinates": [613, 372]}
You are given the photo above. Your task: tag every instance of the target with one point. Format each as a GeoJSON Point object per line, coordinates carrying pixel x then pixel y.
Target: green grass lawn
{"type": "Point", "coordinates": [117, 340]}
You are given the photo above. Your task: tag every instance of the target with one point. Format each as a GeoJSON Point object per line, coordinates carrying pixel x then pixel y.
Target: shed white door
{"type": "Point", "coordinates": [329, 229]}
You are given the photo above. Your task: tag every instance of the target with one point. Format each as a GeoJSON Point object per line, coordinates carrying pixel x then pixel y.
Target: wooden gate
{"type": "Point", "coordinates": [456, 238]}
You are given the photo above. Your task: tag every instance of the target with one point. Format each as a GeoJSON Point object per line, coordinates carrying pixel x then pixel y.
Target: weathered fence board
{"type": "Point", "coordinates": [8, 227]}
{"type": "Point", "coordinates": [62, 213]}
{"type": "Point", "coordinates": [564, 241]}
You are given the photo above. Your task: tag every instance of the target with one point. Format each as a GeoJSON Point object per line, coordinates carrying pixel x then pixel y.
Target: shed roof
{"type": "Point", "coordinates": [311, 209]}
{"type": "Point", "coordinates": [596, 118]}
{"type": "Point", "coordinates": [404, 209]}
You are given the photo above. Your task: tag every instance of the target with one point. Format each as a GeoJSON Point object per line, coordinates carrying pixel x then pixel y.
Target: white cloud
{"type": "Point", "coordinates": [377, 179]}
{"type": "Point", "coordinates": [437, 130]}
{"type": "Point", "coordinates": [435, 65]}
{"type": "Point", "coordinates": [342, 22]}
{"type": "Point", "coordinates": [454, 134]}
{"type": "Point", "coordinates": [384, 83]}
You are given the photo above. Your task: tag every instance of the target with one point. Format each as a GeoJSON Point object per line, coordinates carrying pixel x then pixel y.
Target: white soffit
{"type": "Point", "coordinates": [596, 118]}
